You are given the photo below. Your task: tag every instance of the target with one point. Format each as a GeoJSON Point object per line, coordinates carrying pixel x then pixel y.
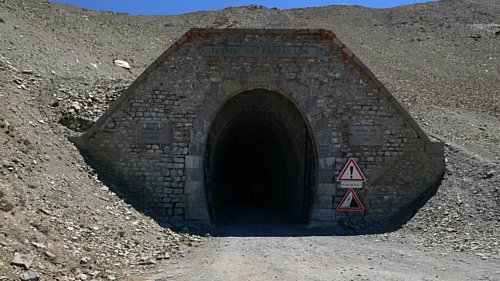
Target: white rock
{"type": "Point", "coordinates": [76, 105]}
{"type": "Point", "coordinates": [85, 260]}
{"type": "Point", "coordinates": [122, 63]}
{"type": "Point", "coordinates": [22, 260]}
{"type": "Point", "coordinates": [38, 245]}
{"type": "Point", "coordinates": [49, 254]}
{"type": "Point", "coordinates": [82, 276]}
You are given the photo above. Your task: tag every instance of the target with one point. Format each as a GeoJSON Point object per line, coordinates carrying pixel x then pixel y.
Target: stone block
{"type": "Point", "coordinates": [194, 175]}
{"type": "Point", "coordinates": [198, 214]}
{"type": "Point", "coordinates": [193, 162]}
{"type": "Point", "coordinates": [326, 175]}
{"type": "Point", "coordinates": [327, 163]}
{"type": "Point", "coordinates": [193, 187]}
{"type": "Point", "coordinates": [323, 202]}
{"type": "Point", "coordinates": [326, 189]}
{"type": "Point", "coordinates": [322, 215]}
{"type": "Point", "coordinates": [196, 200]}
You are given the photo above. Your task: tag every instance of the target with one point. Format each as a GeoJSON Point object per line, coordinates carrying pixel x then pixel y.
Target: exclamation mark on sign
{"type": "Point", "coordinates": [352, 170]}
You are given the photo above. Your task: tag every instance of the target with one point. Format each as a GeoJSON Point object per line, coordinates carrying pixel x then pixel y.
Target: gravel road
{"type": "Point", "coordinates": [239, 252]}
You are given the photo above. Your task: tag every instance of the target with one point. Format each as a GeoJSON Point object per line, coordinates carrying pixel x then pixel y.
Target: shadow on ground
{"type": "Point", "coordinates": [251, 221]}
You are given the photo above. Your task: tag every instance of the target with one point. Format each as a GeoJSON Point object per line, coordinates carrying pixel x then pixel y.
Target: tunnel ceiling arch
{"type": "Point", "coordinates": [154, 140]}
{"type": "Point", "coordinates": [257, 150]}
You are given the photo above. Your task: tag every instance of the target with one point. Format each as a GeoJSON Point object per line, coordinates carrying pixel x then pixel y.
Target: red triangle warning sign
{"type": "Point", "coordinates": [350, 202]}
{"type": "Point", "coordinates": [351, 172]}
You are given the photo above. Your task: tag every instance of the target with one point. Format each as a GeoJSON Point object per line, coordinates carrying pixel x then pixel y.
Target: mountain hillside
{"type": "Point", "coordinates": [441, 60]}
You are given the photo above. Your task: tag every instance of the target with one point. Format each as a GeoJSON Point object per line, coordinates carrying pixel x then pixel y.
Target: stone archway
{"type": "Point", "coordinates": [259, 160]}
{"type": "Point", "coordinates": [305, 104]}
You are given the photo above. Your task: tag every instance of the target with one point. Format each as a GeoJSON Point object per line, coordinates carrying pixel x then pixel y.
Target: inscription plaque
{"type": "Point", "coordinates": [261, 51]}
{"type": "Point", "coordinates": [154, 133]}
{"type": "Point", "coordinates": [365, 135]}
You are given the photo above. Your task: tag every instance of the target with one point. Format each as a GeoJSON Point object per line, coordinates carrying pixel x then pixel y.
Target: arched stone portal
{"type": "Point", "coordinates": [265, 118]}
{"type": "Point", "coordinates": [259, 160]}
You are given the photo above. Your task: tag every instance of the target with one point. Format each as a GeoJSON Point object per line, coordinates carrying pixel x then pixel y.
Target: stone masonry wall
{"type": "Point", "coordinates": [181, 93]}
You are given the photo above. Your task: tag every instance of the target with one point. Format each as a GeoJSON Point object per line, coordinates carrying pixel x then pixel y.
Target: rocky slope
{"type": "Point", "coordinates": [441, 60]}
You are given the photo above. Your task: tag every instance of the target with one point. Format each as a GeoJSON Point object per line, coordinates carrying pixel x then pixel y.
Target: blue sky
{"type": "Point", "coordinates": [175, 7]}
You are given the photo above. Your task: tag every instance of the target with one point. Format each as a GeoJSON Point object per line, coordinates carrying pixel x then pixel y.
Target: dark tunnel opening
{"type": "Point", "coordinates": [252, 171]}
{"type": "Point", "coordinates": [258, 169]}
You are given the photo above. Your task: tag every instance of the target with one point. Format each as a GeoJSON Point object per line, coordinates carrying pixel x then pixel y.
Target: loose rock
{"type": "Point", "coordinates": [38, 245]}
{"type": "Point", "coordinates": [22, 260]}
{"type": "Point", "coordinates": [122, 63]}
{"type": "Point", "coordinates": [82, 276]}
{"type": "Point", "coordinates": [29, 276]}
{"type": "Point", "coordinates": [85, 260]}
{"type": "Point", "coordinates": [49, 254]}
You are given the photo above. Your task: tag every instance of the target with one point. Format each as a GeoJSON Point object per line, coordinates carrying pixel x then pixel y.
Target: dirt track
{"type": "Point", "coordinates": [246, 254]}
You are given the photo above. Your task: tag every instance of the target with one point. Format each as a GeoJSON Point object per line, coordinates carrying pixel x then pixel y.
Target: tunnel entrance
{"type": "Point", "coordinates": [260, 163]}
